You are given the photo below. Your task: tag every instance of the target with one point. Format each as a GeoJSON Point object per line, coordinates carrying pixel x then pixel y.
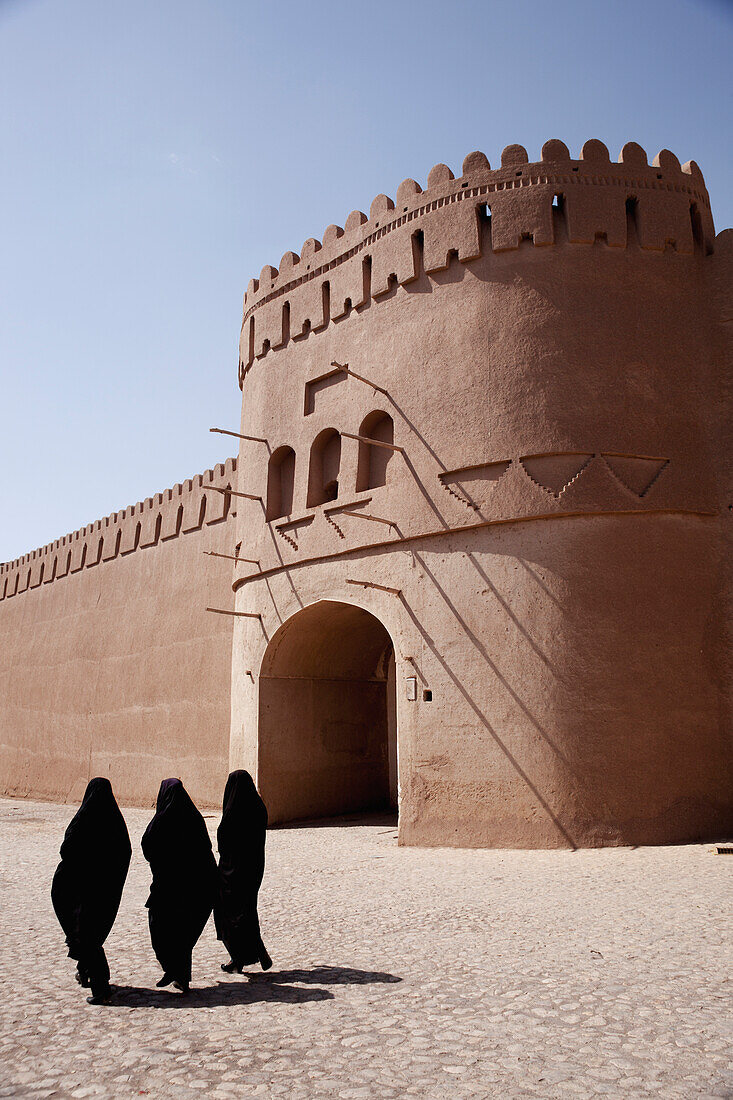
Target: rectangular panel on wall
{"type": "Point", "coordinates": [520, 213]}
{"type": "Point", "coordinates": [112, 537]}
{"type": "Point", "coordinates": [149, 523]}
{"type": "Point", "coordinates": [194, 506]}
{"type": "Point", "coordinates": [450, 230]}
{"type": "Point", "coordinates": [170, 526]}
{"type": "Point", "coordinates": [63, 564]}
{"type": "Point", "coordinates": [393, 255]}
{"type": "Point", "coordinates": [591, 210]}
{"type": "Point", "coordinates": [662, 218]}
{"type": "Point", "coordinates": [129, 521]}
{"type": "Point", "coordinates": [306, 305]}
{"type": "Point", "coordinates": [269, 325]}
{"type": "Point", "coordinates": [37, 570]}
{"type": "Point", "coordinates": [78, 550]}
{"type": "Point", "coordinates": [95, 545]}
{"type": "Point", "coordinates": [347, 282]}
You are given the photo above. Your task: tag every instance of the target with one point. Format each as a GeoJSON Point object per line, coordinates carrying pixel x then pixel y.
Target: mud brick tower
{"type": "Point", "coordinates": [473, 558]}
{"type": "Point", "coordinates": [486, 429]}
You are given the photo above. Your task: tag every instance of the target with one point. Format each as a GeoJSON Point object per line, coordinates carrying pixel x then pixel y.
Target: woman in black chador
{"type": "Point", "coordinates": [176, 845]}
{"type": "Point", "coordinates": [241, 839]}
{"type": "Point", "coordinates": [87, 886]}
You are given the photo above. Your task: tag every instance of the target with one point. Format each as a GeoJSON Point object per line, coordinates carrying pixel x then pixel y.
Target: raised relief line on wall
{"type": "Point", "coordinates": [406, 540]}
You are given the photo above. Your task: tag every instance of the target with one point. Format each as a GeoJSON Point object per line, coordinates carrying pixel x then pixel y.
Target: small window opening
{"type": "Point", "coordinates": [427, 695]}
{"type": "Point", "coordinates": [631, 214]}
{"type": "Point", "coordinates": [286, 322]}
{"type": "Point", "coordinates": [696, 221]}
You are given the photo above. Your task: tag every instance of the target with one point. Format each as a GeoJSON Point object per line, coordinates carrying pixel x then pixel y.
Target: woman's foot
{"type": "Point", "coordinates": [165, 980]}
{"type": "Point", "coordinates": [100, 996]}
{"type": "Point", "coordinates": [265, 960]}
{"type": "Point", "coordinates": [82, 979]}
{"type": "Point", "coordinates": [182, 987]}
{"type": "Point", "coordinates": [231, 968]}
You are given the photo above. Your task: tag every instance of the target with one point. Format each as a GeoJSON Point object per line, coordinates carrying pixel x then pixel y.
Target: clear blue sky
{"type": "Point", "coordinates": [156, 153]}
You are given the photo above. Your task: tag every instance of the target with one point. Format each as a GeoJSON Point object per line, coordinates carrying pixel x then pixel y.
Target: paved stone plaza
{"type": "Point", "coordinates": [397, 972]}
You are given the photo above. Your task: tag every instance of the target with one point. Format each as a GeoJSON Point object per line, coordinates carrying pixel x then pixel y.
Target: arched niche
{"type": "Point", "coordinates": [323, 472]}
{"type": "Point", "coordinates": [280, 482]}
{"type": "Point", "coordinates": [371, 471]}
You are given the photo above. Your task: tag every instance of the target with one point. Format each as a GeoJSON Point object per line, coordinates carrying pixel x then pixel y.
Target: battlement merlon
{"type": "Point", "coordinates": [670, 201]}
{"type": "Point", "coordinates": [185, 507]}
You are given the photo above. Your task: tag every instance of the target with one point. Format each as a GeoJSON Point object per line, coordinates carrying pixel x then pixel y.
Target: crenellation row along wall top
{"type": "Point", "coordinates": [662, 174]}
{"type": "Point", "coordinates": [183, 508]}
{"type": "Point", "coordinates": [519, 196]}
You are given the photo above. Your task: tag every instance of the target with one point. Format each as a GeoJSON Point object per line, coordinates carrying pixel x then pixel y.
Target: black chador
{"type": "Point", "coordinates": [87, 886]}
{"type": "Point", "coordinates": [241, 839]}
{"type": "Point", "coordinates": [176, 845]}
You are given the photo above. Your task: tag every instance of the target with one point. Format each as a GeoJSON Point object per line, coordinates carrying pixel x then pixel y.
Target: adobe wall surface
{"type": "Point", "coordinates": [560, 507]}
{"type": "Point", "coordinates": [109, 663]}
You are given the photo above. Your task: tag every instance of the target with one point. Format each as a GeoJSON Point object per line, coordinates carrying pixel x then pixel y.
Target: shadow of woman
{"type": "Point", "coordinates": [325, 975]}
{"type": "Point", "coordinates": [223, 993]}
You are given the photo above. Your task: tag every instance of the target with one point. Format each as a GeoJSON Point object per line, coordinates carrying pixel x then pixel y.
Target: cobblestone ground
{"type": "Point", "coordinates": [398, 972]}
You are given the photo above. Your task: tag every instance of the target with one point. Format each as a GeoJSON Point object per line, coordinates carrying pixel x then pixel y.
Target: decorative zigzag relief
{"type": "Point", "coordinates": [466, 475]}
{"type": "Point", "coordinates": [290, 530]}
{"type": "Point", "coordinates": [636, 473]}
{"type": "Point", "coordinates": [554, 472]}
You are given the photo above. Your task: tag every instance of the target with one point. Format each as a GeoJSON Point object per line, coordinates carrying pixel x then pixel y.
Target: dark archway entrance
{"type": "Point", "coordinates": [327, 716]}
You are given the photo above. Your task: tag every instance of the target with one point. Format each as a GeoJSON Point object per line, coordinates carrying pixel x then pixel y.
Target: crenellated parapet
{"type": "Point", "coordinates": [185, 508]}
{"type": "Point", "coordinates": [556, 201]}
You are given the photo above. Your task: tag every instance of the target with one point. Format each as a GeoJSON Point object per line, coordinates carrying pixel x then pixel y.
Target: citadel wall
{"type": "Point", "coordinates": [545, 343]}
{"type": "Point", "coordinates": [109, 662]}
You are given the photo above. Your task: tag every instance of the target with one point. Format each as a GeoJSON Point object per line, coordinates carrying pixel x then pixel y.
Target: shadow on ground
{"type": "Point", "coordinates": [344, 821]}
{"type": "Point", "coordinates": [274, 986]}
{"type": "Point", "coordinates": [326, 975]}
{"type": "Point", "coordinates": [213, 996]}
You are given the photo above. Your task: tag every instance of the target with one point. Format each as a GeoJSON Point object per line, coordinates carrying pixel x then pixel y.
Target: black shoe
{"type": "Point", "coordinates": [82, 979]}
{"type": "Point", "coordinates": [100, 997]}
{"type": "Point", "coordinates": [265, 960]}
{"type": "Point", "coordinates": [183, 987]}
{"type": "Point", "coordinates": [231, 968]}
{"type": "Point", "coordinates": [165, 980]}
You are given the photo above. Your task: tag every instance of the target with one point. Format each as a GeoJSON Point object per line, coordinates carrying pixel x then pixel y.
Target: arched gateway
{"type": "Point", "coordinates": [327, 724]}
